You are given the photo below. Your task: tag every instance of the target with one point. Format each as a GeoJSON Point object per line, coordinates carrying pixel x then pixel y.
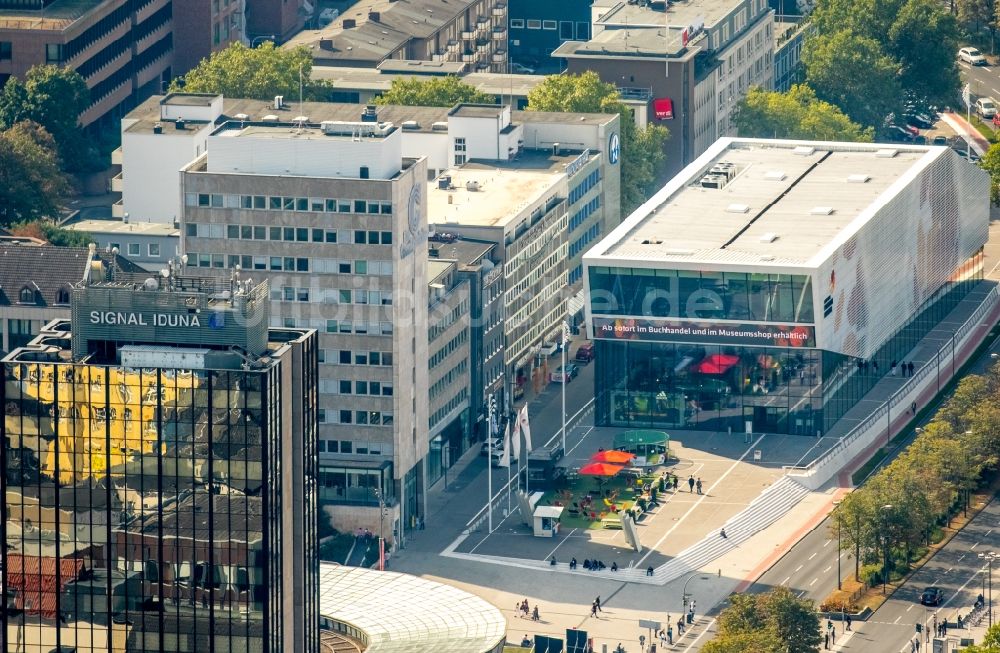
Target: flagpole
{"type": "Point", "coordinates": [489, 466]}
{"type": "Point", "coordinates": [508, 446]}
{"type": "Point", "coordinates": [565, 381]}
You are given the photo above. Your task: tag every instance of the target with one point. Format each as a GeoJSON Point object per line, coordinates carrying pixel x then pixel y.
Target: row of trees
{"type": "Point", "coordinates": [262, 73]}
{"type": "Point", "coordinates": [862, 60]}
{"type": "Point", "coordinates": [894, 513]}
{"type": "Point", "coordinates": [774, 622]}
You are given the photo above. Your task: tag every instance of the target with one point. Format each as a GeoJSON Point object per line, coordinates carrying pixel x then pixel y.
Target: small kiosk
{"type": "Point", "coordinates": [650, 447]}
{"type": "Point", "coordinates": [547, 520]}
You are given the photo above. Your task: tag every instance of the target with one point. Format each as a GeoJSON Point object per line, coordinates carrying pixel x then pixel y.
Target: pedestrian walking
{"type": "Point", "coordinates": [698, 485]}
{"type": "Point", "coordinates": [826, 640]}
{"type": "Point", "coordinates": [892, 368]}
{"type": "Point", "coordinates": [675, 482]}
{"type": "Point", "coordinates": [913, 407]}
{"type": "Point", "coordinates": [875, 368]}
{"type": "Point", "coordinates": [593, 609]}
{"type": "Point", "coordinates": [597, 602]}
{"type": "Point", "coordinates": [848, 620]}
{"type": "Point", "coordinates": [534, 614]}
{"type": "Point", "coordinates": [902, 368]}
{"type": "Point", "coordinates": [670, 633]}
{"type": "Point", "coordinates": [691, 483]}
{"type": "Point", "coordinates": [910, 366]}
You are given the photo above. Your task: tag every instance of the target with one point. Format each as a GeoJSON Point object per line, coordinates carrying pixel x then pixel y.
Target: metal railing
{"type": "Point", "coordinates": [897, 397]}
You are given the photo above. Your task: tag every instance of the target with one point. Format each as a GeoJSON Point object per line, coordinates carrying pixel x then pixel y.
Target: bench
{"type": "Point", "coordinates": [611, 522]}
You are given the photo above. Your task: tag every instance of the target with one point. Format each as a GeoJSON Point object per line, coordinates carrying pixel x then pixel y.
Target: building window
{"type": "Point", "coordinates": [534, 24]}
{"type": "Point", "coordinates": [517, 23]}
{"type": "Point", "coordinates": [133, 249]}
{"type": "Point", "coordinates": [62, 296]}
{"type": "Point", "coordinates": [215, 34]}
{"type": "Point", "coordinates": [582, 31]}
{"type": "Point", "coordinates": [27, 296]}
{"type": "Point", "coordinates": [53, 53]}
{"type": "Point", "coordinates": [566, 30]}
{"type": "Point", "coordinates": [6, 50]}
{"type": "Point", "coordinates": [548, 24]}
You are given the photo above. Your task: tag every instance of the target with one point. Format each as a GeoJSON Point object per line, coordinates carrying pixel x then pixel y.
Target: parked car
{"type": "Point", "coordinates": [985, 107]}
{"type": "Point", "coordinates": [898, 134]}
{"type": "Point", "coordinates": [548, 348]}
{"type": "Point", "coordinates": [940, 140]}
{"type": "Point", "coordinates": [498, 454]}
{"type": "Point", "coordinates": [497, 444]}
{"type": "Point", "coordinates": [567, 375]}
{"type": "Point", "coordinates": [921, 120]}
{"type": "Point", "coordinates": [972, 56]}
{"type": "Point", "coordinates": [932, 596]}
{"type": "Point", "coordinates": [521, 69]}
{"type": "Point", "coordinates": [585, 353]}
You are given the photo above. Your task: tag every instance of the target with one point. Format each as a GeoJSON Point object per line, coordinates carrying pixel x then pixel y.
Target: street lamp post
{"type": "Point", "coordinates": [489, 462]}
{"type": "Point", "coordinates": [381, 529]}
{"type": "Point", "coordinates": [989, 557]}
{"type": "Point", "coordinates": [565, 381]}
{"type": "Point", "coordinates": [885, 548]}
{"type": "Point", "coordinates": [836, 504]}
{"type": "Point", "coordinates": [684, 594]}
{"type": "Point", "coordinates": [265, 37]}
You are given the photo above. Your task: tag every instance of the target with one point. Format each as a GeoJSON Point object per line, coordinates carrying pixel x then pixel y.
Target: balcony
{"type": "Point", "coordinates": [118, 210]}
{"type": "Point", "coordinates": [499, 35]}
{"type": "Point", "coordinates": [117, 183]}
{"type": "Point", "coordinates": [437, 56]}
{"type": "Point", "coordinates": [453, 46]}
{"type": "Point", "coordinates": [482, 48]}
{"type": "Point", "coordinates": [500, 10]}
{"type": "Point", "coordinates": [468, 34]}
{"type": "Point", "coordinates": [117, 157]}
{"type": "Point", "coordinates": [468, 57]}
{"type": "Point", "coordinates": [499, 57]}
{"type": "Point", "coordinates": [482, 22]}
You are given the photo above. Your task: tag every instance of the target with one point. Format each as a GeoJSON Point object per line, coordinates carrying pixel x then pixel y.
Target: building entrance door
{"type": "Point", "coordinates": [766, 419]}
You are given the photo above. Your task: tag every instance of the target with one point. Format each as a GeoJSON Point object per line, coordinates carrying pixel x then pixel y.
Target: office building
{"type": "Point", "coordinates": [473, 32]}
{"type": "Point", "coordinates": [363, 85]}
{"type": "Point", "coordinates": [160, 472]}
{"type": "Point", "coordinates": [36, 280]}
{"type": "Point", "coordinates": [149, 244]}
{"type": "Point", "coordinates": [770, 285]}
{"type": "Point", "coordinates": [123, 50]}
{"type": "Point", "coordinates": [538, 28]}
{"type": "Point", "coordinates": [275, 20]}
{"type": "Point", "coordinates": [202, 27]}
{"type": "Point", "coordinates": [319, 198]}
{"type": "Point", "coordinates": [681, 65]}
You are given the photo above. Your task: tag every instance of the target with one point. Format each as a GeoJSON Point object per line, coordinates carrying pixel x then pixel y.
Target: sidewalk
{"type": "Point", "coordinates": [969, 133]}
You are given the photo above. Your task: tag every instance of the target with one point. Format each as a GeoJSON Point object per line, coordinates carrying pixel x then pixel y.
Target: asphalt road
{"type": "Point", "coordinates": [809, 568]}
{"type": "Point", "coordinates": [956, 569]}
{"type": "Point", "coordinates": [982, 80]}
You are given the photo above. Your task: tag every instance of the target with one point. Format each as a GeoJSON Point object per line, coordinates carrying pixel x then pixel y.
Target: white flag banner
{"type": "Point", "coordinates": [522, 421]}
{"type": "Point", "coordinates": [967, 96]}
{"type": "Point", "coordinates": [505, 453]}
{"type": "Point", "coordinates": [565, 333]}
{"type": "Point", "coordinates": [515, 441]}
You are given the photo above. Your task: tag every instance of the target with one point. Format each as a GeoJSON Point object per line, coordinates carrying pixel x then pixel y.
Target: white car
{"type": "Point", "coordinates": [548, 348]}
{"type": "Point", "coordinates": [986, 107]}
{"type": "Point", "coordinates": [972, 56]}
{"type": "Point", "coordinates": [521, 69]}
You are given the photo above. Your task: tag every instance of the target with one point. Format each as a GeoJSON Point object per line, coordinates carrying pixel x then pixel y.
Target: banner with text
{"type": "Point", "coordinates": [727, 333]}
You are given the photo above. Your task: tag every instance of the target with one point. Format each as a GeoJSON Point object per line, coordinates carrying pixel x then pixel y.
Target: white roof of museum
{"type": "Point", "coordinates": [782, 203]}
{"type": "Point", "coordinates": [401, 613]}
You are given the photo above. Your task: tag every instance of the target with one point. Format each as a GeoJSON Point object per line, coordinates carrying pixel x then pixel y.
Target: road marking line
{"type": "Point", "coordinates": [813, 555]}
{"type": "Point", "coordinates": [827, 543]}
{"type": "Point", "coordinates": [797, 569]}
{"type": "Point", "coordinates": [973, 546]}
{"type": "Point", "coordinates": [707, 628]}
{"type": "Point", "coordinates": [569, 421]}
{"type": "Point", "coordinates": [565, 539]}
{"type": "Point", "coordinates": [897, 620]}
{"type": "Point", "coordinates": [828, 569]}
{"type": "Point", "coordinates": [814, 581]}
{"type": "Point", "coordinates": [801, 594]}
{"type": "Point", "coordinates": [909, 608]}
{"type": "Point", "coordinates": [785, 581]}
{"type": "Point", "coordinates": [991, 530]}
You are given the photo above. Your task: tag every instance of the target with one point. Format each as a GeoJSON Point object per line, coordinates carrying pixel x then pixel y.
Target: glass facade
{"type": "Point", "coordinates": [144, 511]}
{"type": "Point", "coordinates": [701, 295]}
{"type": "Point", "coordinates": [714, 387]}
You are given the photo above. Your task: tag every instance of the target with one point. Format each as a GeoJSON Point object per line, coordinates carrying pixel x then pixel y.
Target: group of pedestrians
{"type": "Point", "coordinates": [522, 610]}
{"type": "Point", "coordinates": [905, 369]}
{"type": "Point", "coordinates": [694, 484]}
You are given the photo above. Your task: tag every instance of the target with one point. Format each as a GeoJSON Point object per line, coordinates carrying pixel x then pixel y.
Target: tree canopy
{"type": "Point", "coordinates": [433, 92]}
{"type": "Point", "coordinates": [866, 56]}
{"type": "Point", "coordinates": [259, 73]}
{"type": "Point", "coordinates": [777, 621]}
{"type": "Point", "coordinates": [641, 149]}
{"type": "Point", "coordinates": [47, 230]}
{"type": "Point", "coordinates": [32, 185]}
{"type": "Point", "coordinates": [796, 114]}
{"type": "Point", "coordinates": [991, 164]}
{"type": "Point", "coordinates": [54, 98]}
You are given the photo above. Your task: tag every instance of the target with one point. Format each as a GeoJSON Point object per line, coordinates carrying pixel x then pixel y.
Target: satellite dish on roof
{"type": "Point", "coordinates": [151, 284]}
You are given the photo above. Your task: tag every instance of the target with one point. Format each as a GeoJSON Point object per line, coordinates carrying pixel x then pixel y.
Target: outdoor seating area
{"type": "Point", "coordinates": [599, 492]}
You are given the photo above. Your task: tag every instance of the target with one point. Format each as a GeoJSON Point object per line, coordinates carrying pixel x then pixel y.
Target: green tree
{"type": "Point", "coordinates": [775, 621]}
{"type": "Point", "coordinates": [923, 39]}
{"type": "Point", "coordinates": [990, 643]}
{"type": "Point", "coordinates": [54, 98]}
{"type": "Point", "coordinates": [32, 185]}
{"type": "Point", "coordinates": [991, 164]}
{"type": "Point", "coordinates": [854, 73]}
{"type": "Point", "coordinates": [434, 92]}
{"type": "Point", "coordinates": [49, 231]}
{"type": "Point", "coordinates": [259, 73]}
{"type": "Point", "coordinates": [641, 149]}
{"type": "Point", "coordinates": [796, 114]}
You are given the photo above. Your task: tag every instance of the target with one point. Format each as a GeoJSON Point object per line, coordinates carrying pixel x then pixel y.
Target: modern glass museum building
{"type": "Point", "coordinates": [772, 283]}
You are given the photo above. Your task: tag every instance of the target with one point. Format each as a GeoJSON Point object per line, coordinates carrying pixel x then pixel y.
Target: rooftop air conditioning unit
{"type": "Point", "coordinates": [768, 237]}
{"type": "Point", "coordinates": [444, 182]}
{"type": "Point", "coordinates": [269, 118]}
{"type": "Point", "coordinates": [472, 185]}
{"type": "Point", "coordinates": [279, 101]}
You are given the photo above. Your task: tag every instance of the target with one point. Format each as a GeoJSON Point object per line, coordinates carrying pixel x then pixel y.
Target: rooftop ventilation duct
{"type": "Point", "coordinates": [858, 179]}
{"type": "Point", "coordinates": [774, 175]}
{"type": "Point", "coordinates": [804, 150]}
{"type": "Point", "coordinates": [886, 153]}
{"type": "Point", "coordinates": [821, 210]}
{"type": "Point", "coordinates": [737, 208]}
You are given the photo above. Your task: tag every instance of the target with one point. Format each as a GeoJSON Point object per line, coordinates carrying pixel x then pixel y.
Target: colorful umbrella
{"type": "Point", "coordinates": [717, 363]}
{"type": "Point", "coordinates": [612, 456]}
{"type": "Point", "coordinates": [601, 469]}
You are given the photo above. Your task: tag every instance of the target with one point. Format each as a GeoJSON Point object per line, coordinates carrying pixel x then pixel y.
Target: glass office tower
{"type": "Point", "coordinates": [160, 485]}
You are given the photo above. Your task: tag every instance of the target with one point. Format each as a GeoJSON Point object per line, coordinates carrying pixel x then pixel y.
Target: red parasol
{"type": "Point", "coordinates": [612, 456]}
{"type": "Point", "coordinates": [601, 469]}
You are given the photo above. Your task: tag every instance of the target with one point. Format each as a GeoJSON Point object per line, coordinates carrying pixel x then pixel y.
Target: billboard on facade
{"type": "Point", "coordinates": [726, 333]}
